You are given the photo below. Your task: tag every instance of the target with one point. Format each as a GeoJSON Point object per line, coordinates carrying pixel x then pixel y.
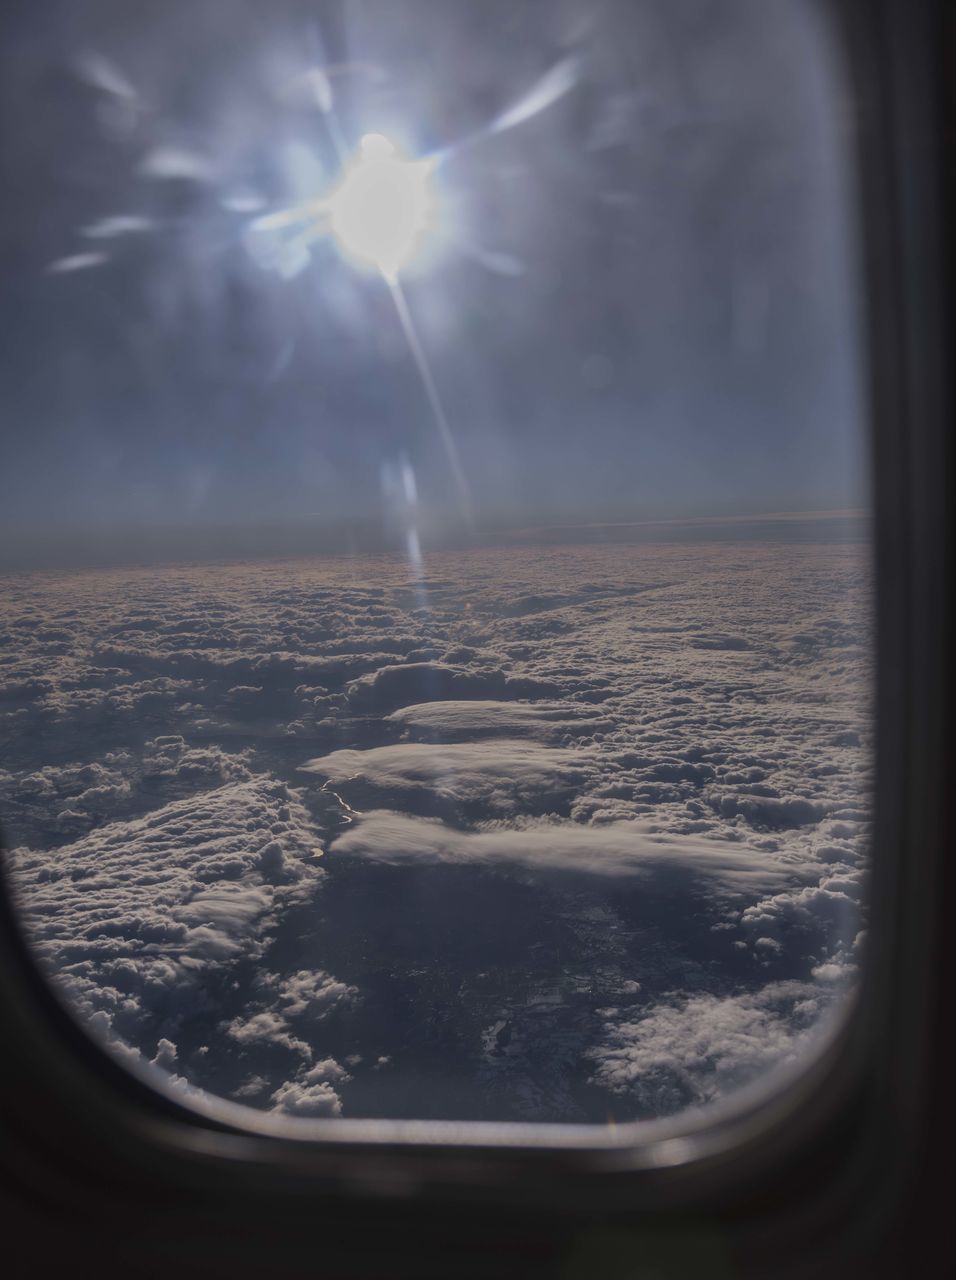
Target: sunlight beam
{"type": "Point", "coordinates": [434, 400]}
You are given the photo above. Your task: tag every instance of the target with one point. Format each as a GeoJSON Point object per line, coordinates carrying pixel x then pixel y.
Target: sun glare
{"type": "Point", "coordinates": [382, 206]}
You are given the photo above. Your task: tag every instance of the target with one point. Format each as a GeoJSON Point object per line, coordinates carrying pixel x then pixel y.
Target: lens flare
{"type": "Point", "coordinates": [379, 212]}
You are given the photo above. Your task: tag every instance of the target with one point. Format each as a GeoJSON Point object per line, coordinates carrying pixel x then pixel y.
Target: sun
{"type": "Point", "coordinates": [382, 206]}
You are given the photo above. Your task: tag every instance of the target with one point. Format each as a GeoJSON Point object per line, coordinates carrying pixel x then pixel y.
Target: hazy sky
{"type": "Point", "coordinates": [638, 303]}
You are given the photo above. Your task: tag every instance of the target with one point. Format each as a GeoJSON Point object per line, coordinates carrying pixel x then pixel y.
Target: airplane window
{"type": "Point", "coordinates": [436, 638]}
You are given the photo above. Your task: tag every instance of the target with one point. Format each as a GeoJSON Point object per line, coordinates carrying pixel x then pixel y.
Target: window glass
{"type": "Point", "coordinates": [435, 643]}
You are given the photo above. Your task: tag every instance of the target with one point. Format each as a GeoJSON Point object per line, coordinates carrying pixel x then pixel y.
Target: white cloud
{"type": "Point", "coordinates": [138, 911]}
{"type": "Point", "coordinates": [313, 994]}
{"type": "Point", "coordinates": [267, 1027]}
{"type": "Point", "coordinates": [312, 1092]}
{"type": "Point", "coordinates": [694, 1048]}
{"type": "Point", "coordinates": [544, 721]}
{"type": "Point", "coordinates": [499, 776]}
{"type": "Point", "coordinates": [617, 850]}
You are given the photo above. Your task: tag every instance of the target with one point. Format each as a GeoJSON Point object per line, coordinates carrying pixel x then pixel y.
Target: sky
{"type": "Point", "coordinates": [637, 303]}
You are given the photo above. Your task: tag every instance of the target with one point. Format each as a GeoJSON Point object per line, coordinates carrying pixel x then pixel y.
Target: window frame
{"type": "Point", "coordinates": [850, 1123]}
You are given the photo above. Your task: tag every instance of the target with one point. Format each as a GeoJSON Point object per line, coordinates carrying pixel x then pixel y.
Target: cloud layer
{"type": "Point", "coordinates": [546, 833]}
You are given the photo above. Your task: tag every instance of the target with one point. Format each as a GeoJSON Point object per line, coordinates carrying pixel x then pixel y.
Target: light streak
{"type": "Point", "coordinates": [434, 399]}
